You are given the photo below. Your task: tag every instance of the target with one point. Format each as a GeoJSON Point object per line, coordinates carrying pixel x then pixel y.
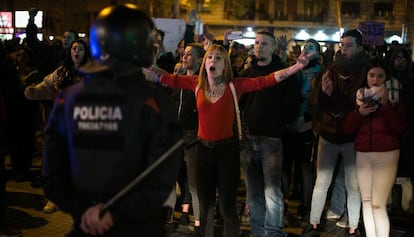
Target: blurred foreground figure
{"type": "Point", "coordinates": [107, 129]}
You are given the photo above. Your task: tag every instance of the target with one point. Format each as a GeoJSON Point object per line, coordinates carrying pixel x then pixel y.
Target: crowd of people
{"type": "Point", "coordinates": [316, 126]}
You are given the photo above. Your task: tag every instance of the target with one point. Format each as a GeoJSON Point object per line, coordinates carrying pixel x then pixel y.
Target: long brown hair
{"type": "Point", "coordinates": [228, 71]}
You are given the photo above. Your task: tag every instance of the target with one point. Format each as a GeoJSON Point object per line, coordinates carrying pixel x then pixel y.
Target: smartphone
{"type": "Point", "coordinates": [370, 102]}
{"type": "Point", "coordinates": [235, 35]}
{"type": "Point", "coordinates": [199, 28]}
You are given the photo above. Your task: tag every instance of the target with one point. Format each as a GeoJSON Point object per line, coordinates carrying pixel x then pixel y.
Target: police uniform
{"type": "Point", "coordinates": [101, 134]}
{"type": "Point", "coordinates": [106, 130]}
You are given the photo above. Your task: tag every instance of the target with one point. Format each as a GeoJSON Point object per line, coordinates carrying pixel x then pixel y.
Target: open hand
{"type": "Point", "coordinates": [153, 74]}
{"type": "Point", "coordinates": [301, 62]}
{"type": "Point", "coordinates": [327, 85]}
{"type": "Point", "coordinates": [192, 17]}
{"type": "Point", "coordinates": [282, 42]}
{"type": "Point", "coordinates": [305, 58]}
{"type": "Point", "coordinates": [226, 34]}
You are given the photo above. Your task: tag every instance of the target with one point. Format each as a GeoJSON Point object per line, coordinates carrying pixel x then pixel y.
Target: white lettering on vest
{"type": "Point", "coordinates": [97, 113]}
{"type": "Point", "coordinates": [98, 126]}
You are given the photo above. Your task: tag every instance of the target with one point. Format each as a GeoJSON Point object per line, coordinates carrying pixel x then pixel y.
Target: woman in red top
{"type": "Point", "coordinates": [376, 123]}
{"type": "Point", "coordinates": [217, 159]}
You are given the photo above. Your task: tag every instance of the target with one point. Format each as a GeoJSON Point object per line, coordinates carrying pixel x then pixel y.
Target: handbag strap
{"type": "Point", "coordinates": [236, 107]}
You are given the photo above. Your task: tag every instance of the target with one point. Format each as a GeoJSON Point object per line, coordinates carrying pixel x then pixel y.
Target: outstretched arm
{"type": "Point", "coordinates": [153, 74]}
{"type": "Point", "coordinates": [158, 75]}
{"type": "Point", "coordinates": [301, 63]}
{"type": "Point", "coordinates": [46, 89]}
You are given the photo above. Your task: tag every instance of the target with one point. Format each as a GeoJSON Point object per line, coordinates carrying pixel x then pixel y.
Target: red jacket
{"type": "Point", "coordinates": [378, 131]}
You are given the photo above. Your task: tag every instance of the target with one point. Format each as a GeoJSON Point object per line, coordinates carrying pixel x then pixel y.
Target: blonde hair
{"type": "Point", "coordinates": [227, 73]}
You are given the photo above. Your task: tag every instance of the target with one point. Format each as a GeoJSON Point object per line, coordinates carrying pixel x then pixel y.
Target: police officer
{"type": "Point", "coordinates": [106, 130]}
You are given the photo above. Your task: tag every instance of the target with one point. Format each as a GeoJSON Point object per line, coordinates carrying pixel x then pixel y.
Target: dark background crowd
{"type": "Point", "coordinates": [25, 63]}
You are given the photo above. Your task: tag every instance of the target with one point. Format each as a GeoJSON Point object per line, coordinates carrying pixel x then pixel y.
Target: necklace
{"type": "Point", "coordinates": [216, 92]}
{"type": "Point", "coordinates": [218, 81]}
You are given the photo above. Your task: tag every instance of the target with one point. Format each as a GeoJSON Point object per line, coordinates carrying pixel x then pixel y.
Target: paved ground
{"type": "Point", "coordinates": [26, 203]}
{"type": "Point", "coordinates": [25, 212]}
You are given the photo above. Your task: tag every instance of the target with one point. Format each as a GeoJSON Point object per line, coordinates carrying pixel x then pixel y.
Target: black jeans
{"type": "Point", "coordinates": [218, 168]}
{"type": "Point", "coordinates": [298, 151]}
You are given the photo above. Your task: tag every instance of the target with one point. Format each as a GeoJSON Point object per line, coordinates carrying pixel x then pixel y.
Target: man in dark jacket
{"type": "Point", "coordinates": [267, 113]}
{"type": "Point", "coordinates": [334, 101]}
{"type": "Point", "coordinates": [106, 130]}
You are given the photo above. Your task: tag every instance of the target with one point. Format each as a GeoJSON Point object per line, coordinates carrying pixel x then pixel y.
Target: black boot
{"type": "Point", "coordinates": [168, 219]}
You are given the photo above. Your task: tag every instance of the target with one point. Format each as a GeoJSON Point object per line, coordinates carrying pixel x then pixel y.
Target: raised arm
{"type": "Point", "coordinates": [46, 89]}
{"type": "Point", "coordinates": [158, 75]}
{"type": "Point", "coordinates": [301, 63]}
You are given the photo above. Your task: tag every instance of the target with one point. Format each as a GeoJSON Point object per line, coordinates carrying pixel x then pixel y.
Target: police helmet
{"type": "Point", "coordinates": [122, 33]}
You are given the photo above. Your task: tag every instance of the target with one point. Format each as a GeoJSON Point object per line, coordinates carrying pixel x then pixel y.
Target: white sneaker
{"type": "Point", "coordinates": [343, 222]}
{"type": "Point", "coordinates": [332, 216]}
{"type": "Point", "coordinates": [50, 207]}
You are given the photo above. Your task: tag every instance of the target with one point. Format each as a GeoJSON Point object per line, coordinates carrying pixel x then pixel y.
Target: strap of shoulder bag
{"type": "Point", "coordinates": [236, 107]}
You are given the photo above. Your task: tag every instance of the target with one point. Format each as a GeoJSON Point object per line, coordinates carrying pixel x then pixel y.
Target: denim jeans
{"type": "Point", "coordinates": [338, 196]}
{"type": "Point", "coordinates": [327, 159]}
{"type": "Point", "coordinates": [262, 167]}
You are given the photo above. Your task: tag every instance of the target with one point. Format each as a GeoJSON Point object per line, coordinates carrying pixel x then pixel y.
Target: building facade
{"type": "Point", "coordinates": [285, 17]}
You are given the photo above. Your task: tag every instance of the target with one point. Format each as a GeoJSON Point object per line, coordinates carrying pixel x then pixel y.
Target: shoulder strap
{"type": "Point", "coordinates": [236, 107]}
{"type": "Point", "coordinates": [196, 90]}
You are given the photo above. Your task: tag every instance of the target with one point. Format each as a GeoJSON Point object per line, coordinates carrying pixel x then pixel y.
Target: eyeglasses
{"type": "Point", "coordinates": [400, 58]}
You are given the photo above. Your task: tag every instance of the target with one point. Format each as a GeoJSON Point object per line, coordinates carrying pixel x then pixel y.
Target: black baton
{"type": "Point", "coordinates": [109, 204]}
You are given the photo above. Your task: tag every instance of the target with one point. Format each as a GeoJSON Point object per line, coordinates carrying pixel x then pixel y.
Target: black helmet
{"type": "Point", "coordinates": [124, 33]}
